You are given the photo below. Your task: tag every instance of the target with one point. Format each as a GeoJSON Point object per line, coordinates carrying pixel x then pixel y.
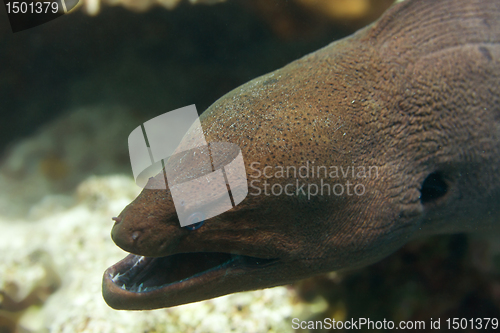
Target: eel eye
{"type": "Point", "coordinates": [433, 188]}
{"type": "Point", "coordinates": [196, 220]}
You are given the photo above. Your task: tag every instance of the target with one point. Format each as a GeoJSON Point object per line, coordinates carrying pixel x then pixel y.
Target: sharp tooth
{"type": "Point", "coordinates": [140, 287]}
{"type": "Point", "coordinates": [138, 261]}
{"type": "Point", "coordinates": [124, 286]}
{"type": "Point", "coordinates": [116, 277]}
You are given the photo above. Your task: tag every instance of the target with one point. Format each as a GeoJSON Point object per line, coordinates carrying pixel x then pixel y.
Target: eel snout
{"type": "Point", "coordinates": [149, 225]}
{"type": "Point", "coordinates": [172, 265]}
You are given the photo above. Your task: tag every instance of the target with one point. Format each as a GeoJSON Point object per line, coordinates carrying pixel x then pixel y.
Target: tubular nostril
{"type": "Point", "coordinates": [124, 236]}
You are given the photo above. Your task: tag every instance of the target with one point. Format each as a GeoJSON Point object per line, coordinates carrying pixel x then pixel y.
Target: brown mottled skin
{"type": "Point", "coordinates": [415, 93]}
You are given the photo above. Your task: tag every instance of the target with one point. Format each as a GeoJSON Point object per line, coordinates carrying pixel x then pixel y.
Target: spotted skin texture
{"type": "Point", "coordinates": [415, 93]}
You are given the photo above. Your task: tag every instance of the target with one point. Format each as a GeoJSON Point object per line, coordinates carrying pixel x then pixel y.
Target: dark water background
{"type": "Point", "coordinates": [154, 62]}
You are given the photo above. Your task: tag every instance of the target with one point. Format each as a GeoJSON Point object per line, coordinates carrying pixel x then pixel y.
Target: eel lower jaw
{"type": "Point", "coordinates": [135, 279]}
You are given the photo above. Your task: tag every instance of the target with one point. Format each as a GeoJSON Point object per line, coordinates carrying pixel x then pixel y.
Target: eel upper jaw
{"type": "Point", "coordinates": [139, 283]}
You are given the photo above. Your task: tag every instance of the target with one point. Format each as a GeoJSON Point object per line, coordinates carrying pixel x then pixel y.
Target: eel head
{"type": "Point", "coordinates": [388, 98]}
{"type": "Point", "coordinates": [267, 239]}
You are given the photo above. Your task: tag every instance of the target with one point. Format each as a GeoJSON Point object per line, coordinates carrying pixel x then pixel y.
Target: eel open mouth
{"type": "Point", "coordinates": [138, 274]}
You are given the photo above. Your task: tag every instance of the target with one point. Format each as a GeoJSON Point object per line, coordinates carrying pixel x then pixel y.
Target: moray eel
{"type": "Point", "coordinates": [415, 95]}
